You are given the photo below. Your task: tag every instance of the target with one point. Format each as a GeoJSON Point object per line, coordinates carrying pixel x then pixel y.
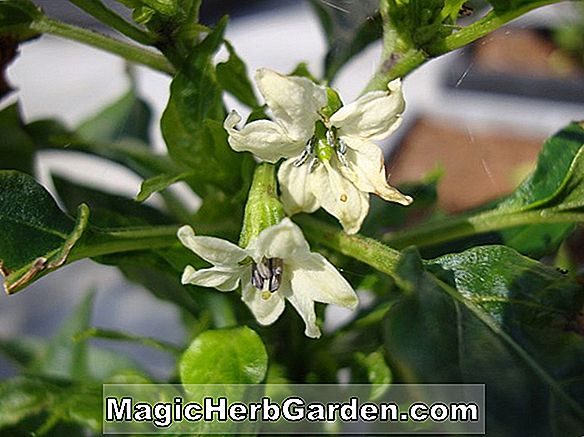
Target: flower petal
{"type": "Point", "coordinates": [266, 311]}
{"type": "Point", "coordinates": [221, 279]}
{"type": "Point", "coordinates": [316, 276]}
{"type": "Point", "coordinates": [284, 240]}
{"type": "Point", "coordinates": [373, 116]}
{"type": "Point", "coordinates": [264, 138]}
{"type": "Point", "coordinates": [213, 250]}
{"type": "Point", "coordinates": [367, 170]}
{"type": "Point", "coordinates": [294, 101]}
{"type": "Point", "coordinates": [339, 197]}
{"type": "Point", "coordinates": [296, 193]}
{"type": "Point", "coordinates": [304, 305]}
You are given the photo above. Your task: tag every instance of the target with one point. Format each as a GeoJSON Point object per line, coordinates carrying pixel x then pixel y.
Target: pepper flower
{"type": "Point", "coordinates": [331, 160]}
{"type": "Point", "coordinates": [276, 266]}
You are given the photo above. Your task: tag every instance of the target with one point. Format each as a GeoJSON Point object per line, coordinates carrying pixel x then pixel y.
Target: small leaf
{"type": "Point", "coordinates": [378, 372]}
{"type": "Point", "coordinates": [159, 183]}
{"type": "Point", "coordinates": [349, 28]}
{"type": "Point", "coordinates": [225, 356]}
{"type": "Point", "coordinates": [128, 117]}
{"type": "Point", "coordinates": [16, 147]}
{"type": "Point", "coordinates": [37, 236]}
{"type": "Point", "coordinates": [64, 357]}
{"type": "Point", "coordinates": [21, 398]}
{"type": "Point", "coordinates": [233, 78]}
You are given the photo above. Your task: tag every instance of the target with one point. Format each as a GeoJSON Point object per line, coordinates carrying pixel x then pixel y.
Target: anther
{"type": "Point", "coordinates": [313, 164]}
{"type": "Point", "coordinates": [266, 276]}
{"type": "Point", "coordinates": [306, 153]}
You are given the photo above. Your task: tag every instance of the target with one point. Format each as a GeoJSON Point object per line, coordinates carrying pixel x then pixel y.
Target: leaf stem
{"type": "Point", "coordinates": [364, 249]}
{"type": "Point", "coordinates": [459, 227]}
{"type": "Point", "coordinates": [127, 51]}
{"type": "Point", "coordinates": [99, 11]}
{"type": "Point", "coordinates": [415, 57]}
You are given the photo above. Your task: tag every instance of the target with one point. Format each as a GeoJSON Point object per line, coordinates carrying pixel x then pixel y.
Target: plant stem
{"type": "Point", "coordinates": [414, 58]}
{"type": "Point", "coordinates": [127, 51]}
{"type": "Point", "coordinates": [364, 249]}
{"type": "Point", "coordinates": [459, 227]}
{"type": "Point", "coordinates": [100, 12]}
{"type": "Point", "coordinates": [126, 240]}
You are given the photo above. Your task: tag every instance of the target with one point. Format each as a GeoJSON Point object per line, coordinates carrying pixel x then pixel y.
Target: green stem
{"type": "Point", "coordinates": [414, 58]}
{"type": "Point", "coordinates": [100, 12]}
{"type": "Point", "coordinates": [367, 250]}
{"type": "Point", "coordinates": [129, 52]}
{"type": "Point", "coordinates": [459, 227]}
{"type": "Point", "coordinates": [126, 240]}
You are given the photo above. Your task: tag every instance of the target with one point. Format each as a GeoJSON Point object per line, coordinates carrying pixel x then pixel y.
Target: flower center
{"type": "Point", "coordinates": [266, 276]}
{"type": "Point", "coordinates": [322, 146]}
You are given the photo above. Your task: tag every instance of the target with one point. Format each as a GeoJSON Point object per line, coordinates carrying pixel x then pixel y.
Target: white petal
{"type": "Point", "coordinates": [373, 116]}
{"type": "Point", "coordinates": [266, 311]}
{"type": "Point", "coordinates": [264, 138]}
{"type": "Point", "coordinates": [294, 101]}
{"type": "Point", "coordinates": [213, 250]}
{"type": "Point", "coordinates": [284, 240]}
{"type": "Point", "coordinates": [304, 305]}
{"type": "Point", "coordinates": [322, 281]}
{"type": "Point", "coordinates": [367, 170]}
{"type": "Point", "coordinates": [221, 279]}
{"type": "Point", "coordinates": [339, 197]}
{"type": "Point", "coordinates": [296, 193]}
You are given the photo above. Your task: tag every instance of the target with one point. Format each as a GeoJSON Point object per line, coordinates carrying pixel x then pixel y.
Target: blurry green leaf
{"type": "Point", "coordinates": [108, 210]}
{"type": "Point", "coordinates": [349, 28]}
{"type": "Point", "coordinates": [36, 235]}
{"type": "Point", "coordinates": [378, 372]}
{"type": "Point", "coordinates": [123, 336]}
{"type": "Point", "coordinates": [233, 78]}
{"type": "Point", "coordinates": [128, 117]}
{"type": "Point", "coordinates": [64, 357]}
{"type": "Point", "coordinates": [16, 147]}
{"type": "Point", "coordinates": [159, 183]}
{"type": "Point", "coordinates": [21, 398]}
{"type": "Point", "coordinates": [23, 351]}
{"type": "Point", "coordinates": [490, 315]}
{"type": "Point", "coordinates": [16, 17]}
{"type": "Point", "coordinates": [225, 356]}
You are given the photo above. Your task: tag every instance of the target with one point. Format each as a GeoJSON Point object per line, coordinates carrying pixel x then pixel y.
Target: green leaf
{"type": "Point", "coordinates": [128, 117]}
{"type": "Point", "coordinates": [349, 28]}
{"type": "Point", "coordinates": [490, 315]}
{"type": "Point", "coordinates": [64, 357]}
{"type": "Point", "coordinates": [16, 17]}
{"type": "Point", "coordinates": [225, 356]}
{"type": "Point", "coordinates": [192, 122]}
{"type": "Point", "coordinates": [378, 372]}
{"type": "Point", "coordinates": [21, 398]}
{"type": "Point", "coordinates": [233, 78]}
{"type": "Point", "coordinates": [108, 210]}
{"type": "Point", "coordinates": [16, 147]}
{"type": "Point", "coordinates": [36, 235]}
{"type": "Point", "coordinates": [556, 164]}
{"type": "Point", "coordinates": [159, 183]}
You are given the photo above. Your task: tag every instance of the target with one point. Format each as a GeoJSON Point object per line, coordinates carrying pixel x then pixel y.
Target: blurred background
{"type": "Point", "coordinates": [477, 117]}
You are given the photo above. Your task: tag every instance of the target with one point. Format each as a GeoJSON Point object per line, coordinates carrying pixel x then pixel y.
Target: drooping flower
{"type": "Point", "coordinates": [331, 161]}
{"type": "Point", "coordinates": [276, 266]}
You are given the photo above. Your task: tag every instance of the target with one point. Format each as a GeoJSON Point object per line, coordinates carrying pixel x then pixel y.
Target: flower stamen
{"type": "Point", "coordinates": [306, 153]}
{"type": "Point", "coordinates": [266, 276]}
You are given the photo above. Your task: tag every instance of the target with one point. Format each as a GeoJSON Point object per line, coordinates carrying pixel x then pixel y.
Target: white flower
{"type": "Point", "coordinates": [275, 266]}
{"type": "Point", "coordinates": [331, 160]}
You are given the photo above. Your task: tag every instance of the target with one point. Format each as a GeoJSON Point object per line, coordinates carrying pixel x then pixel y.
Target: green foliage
{"type": "Point", "coordinates": [16, 17]}
{"type": "Point", "coordinates": [233, 78]}
{"type": "Point", "coordinates": [37, 236]}
{"type": "Point", "coordinates": [225, 356]}
{"type": "Point", "coordinates": [349, 28]}
{"type": "Point", "coordinates": [491, 309]}
{"type": "Point", "coordinates": [16, 147]}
